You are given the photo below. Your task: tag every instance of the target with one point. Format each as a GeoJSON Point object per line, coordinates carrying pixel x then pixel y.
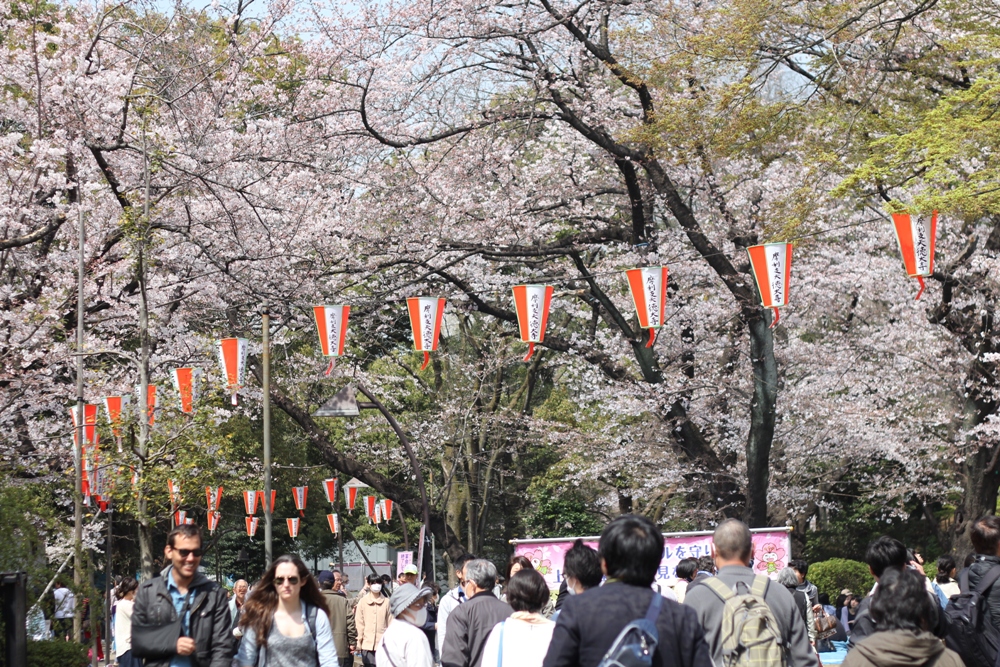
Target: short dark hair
{"type": "Point", "coordinates": [823, 599]}
{"type": "Point", "coordinates": [125, 586]}
{"type": "Point", "coordinates": [885, 552]}
{"type": "Point", "coordinates": [583, 564]}
{"type": "Point", "coordinates": [800, 566]}
{"type": "Point", "coordinates": [706, 563]}
{"type": "Point", "coordinates": [945, 564]}
{"type": "Point", "coordinates": [969, 559]}
{"type": "Point", "coordinates": [687, 568]}
{"type": "Point", "coordinates": [185, 530]}
{"type": "Point", "coordinates": [373, 579]}
{"type": "Point", "coordinates": [460, 562]}
{"type": "Point", "coordinates": [527, 591]}
{"type": "Point", "coordinates": [632, 547]}
{"type": "Point", "coordinates": [518, 560]}
{"type": "Point", "coordinates": [901, 601]}
{"type": "Point", "coordinates": [985, 535]}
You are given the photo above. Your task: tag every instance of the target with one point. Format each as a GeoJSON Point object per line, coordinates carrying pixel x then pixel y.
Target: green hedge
{"type": "Point", "coordinates": [52, 652]}
{"type": "Point", "coordinates": [834, 575]}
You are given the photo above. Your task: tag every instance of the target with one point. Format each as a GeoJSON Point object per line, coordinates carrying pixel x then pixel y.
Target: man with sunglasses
{"type": "Point", "coordinates": [181, 618]}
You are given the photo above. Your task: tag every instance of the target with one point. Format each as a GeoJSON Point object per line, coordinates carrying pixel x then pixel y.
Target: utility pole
{"type": "Point", "coordinates": [80, 431]}
{"type": "Point", "coordinates": [266, 359]}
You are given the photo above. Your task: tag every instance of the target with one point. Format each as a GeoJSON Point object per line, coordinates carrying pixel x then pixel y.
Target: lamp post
{"type": "Point", "coordinates": [345, 404]}
{"type": "Point", "coordinates": [266, 363]}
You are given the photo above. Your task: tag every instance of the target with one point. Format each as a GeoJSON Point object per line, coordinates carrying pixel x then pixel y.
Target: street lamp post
{"type": "Point", "coordinates": [266, 363]}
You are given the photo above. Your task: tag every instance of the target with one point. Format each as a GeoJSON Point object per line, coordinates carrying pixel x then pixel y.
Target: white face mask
{"type": "Point", "coordinates": [376, 588]}
{"type": "Point", "coordinates": [570, 586]}
{"type": "Point", "coordinates": [419, 617]}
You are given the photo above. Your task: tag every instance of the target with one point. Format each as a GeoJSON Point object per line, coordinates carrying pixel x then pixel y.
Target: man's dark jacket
{"type": "Point", "coordinates": [977, 571]}
{"type": "Point", "coordinates": [155, 629]}
{"type": "Point", "coordinates": [469, 626]}
{"type": "Point", "coordinates": [589, 623]}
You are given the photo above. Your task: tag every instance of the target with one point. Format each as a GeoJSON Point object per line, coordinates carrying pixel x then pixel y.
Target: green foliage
{"type": "Point", "coordinates": [930, 569]}
{"type": "Point", "coordinates": [52, 652]}
{"type": "Point", "coordinates": [555, 511]}
{"type": "Point", "coordinates": [836, 574]}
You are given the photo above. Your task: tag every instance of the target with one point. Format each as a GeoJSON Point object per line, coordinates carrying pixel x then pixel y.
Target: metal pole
{"type": "Point", "coordinates": [107, 592]}
{"type": "Point", "coordinates": [266, 358]}
{"type": "Point", "coordinates": [340, 539]}
{"type": "Point", "coordinates": [80, 419]}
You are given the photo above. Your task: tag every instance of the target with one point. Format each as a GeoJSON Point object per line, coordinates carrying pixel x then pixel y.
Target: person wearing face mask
{"type": "Point", "coordinates": [581, 570]}
{"type": "Point", "coordinates": [470, 625]}
{"type": "Point", "coordinates": [404, 644]}
{"type": "Point", "coordinates": [371, 617]}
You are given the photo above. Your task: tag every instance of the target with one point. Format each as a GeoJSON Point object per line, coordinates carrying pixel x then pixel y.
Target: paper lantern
{"type": "Point", "coordinates": [186, 385]}
{"type": "Point", "coordinates": [90, 435]}
{"type": "Point", "coordinates": [425, 322]}
{"type": "Point", "coordinates": [330, 486]}
{"type": "Point", "coordinates": [103, 505]}
{"type": "Point", "coordinates": [174, 489]}
{"type": "Point", "coordinates": [151, 401]}
{"type": "Point", "coordinates": [916, 244]}
{"type": "Point", "coordinates": [251, 499]}
{"type": "Point", "coordinates": [213, 521]}
{"type": "Point", "coordinates": [532, 305]}
{"type": "Point", "coordinates": [772, 268]}
{"type": "Point", "coordinates": [649, 293]}
{"type": "Point", "coordinates": [377, 516]}
{"type": "Point", "coordinates": [213, 498]}
{"type": "Point", "coordinates": [351, 493]}
{"type": "Point", "coordinates": [268, 508]}
{"type": "Point", "coordinates": [233, 359]}
{"type": "Point", "coordinates": [293, 527]}
{"type": "Point", "coordinates": [115, 406]}
{"type": "Point", "coordinates": [370, 507]}
{"type": "Point", "coordinates": [180, 517]}
{"type": "Point", "coordinates": [252, 522]}
{"type": "Point", "coordinates": [331, 323]}
{"type": "Point", "coordinates": [299, 494]}
{"type": "Point", "coordinates": [334, 522]}
{"type": "Point", "coordinates": [386, 508]}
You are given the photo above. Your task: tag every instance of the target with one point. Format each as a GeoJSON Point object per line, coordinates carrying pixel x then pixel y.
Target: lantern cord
{"type": "Point", "coordinates": [920, 279]}
{"type": "Point", "coordinates": [652, 338]}
{"type": "Point", "coordinates": [329, 369]}
{"type": "Point", "coordinates": [427, 360]}
{"type": "Point", "coordinates": [777, 316]}
{"type": "Point", "coordinates": [531, 351]}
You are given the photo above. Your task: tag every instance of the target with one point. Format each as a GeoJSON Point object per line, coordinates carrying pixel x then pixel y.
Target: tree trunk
{"type": "Point", "coordinates": [762, 418]}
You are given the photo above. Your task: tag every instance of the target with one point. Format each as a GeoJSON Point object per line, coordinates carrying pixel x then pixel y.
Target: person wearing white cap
{"type": "Point", "coordinates": [404, 644]}
{"type": "Point", "coordinates": [408, 575]}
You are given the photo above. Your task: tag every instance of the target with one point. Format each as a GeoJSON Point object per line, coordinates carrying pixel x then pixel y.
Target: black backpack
{"type": "Point", "coordinates": [635, 644]}
{"type": "Point", "coordinates": [971, 634]}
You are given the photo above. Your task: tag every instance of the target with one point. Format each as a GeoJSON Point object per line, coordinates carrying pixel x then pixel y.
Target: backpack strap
{"type": "Point", "coordinates": [987, 581]}
{"type": "Point", "coordinates": [503, 623]}
{"type": "Point", "coordinates": [759, 587]}
{"type": "Point", "coordinates": [311, 612]}
{"type": "Point", "coordinates": [719, 588]}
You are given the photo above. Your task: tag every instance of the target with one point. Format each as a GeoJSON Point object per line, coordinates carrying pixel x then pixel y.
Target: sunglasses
{"type": "Point", "coordinates": [184, 553]}
{"type": "Point", "coordinates": [280, 581]}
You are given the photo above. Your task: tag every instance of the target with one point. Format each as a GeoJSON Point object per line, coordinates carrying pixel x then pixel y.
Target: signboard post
{"type": "Point", "coordinates": [771, 550]}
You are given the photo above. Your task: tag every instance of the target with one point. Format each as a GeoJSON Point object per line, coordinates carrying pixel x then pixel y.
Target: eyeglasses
{"type": "Point", "coordinates": [280, 581]}
{"type": "Point", "coordinates": [184, 553]}
{"type": "Point", "coordinates": [418, 604]}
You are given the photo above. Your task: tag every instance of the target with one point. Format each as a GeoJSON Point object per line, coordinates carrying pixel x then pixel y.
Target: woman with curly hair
{"type": "Point", "coordinates": [285, 622]}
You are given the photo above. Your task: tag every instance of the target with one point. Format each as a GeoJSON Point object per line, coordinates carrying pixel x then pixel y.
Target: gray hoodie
{"type": "Point", "coordinates": [901, 648]}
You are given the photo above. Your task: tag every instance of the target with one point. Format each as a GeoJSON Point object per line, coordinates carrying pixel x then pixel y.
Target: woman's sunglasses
{"type": "Point", "coordinates": [292, 581]}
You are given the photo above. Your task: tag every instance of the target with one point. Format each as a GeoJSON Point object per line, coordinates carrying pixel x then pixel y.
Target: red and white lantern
{"type": "Point", "coordinates": [772, 269]}
{"type": "Point", "coordinates": [917, 239]}
{"type": "Point", "coordinates": [334, 522]}
{"type": "Point", "coordinates": [213, 521]}
{"type": "Point", "coordinates": [151, 401]}
{"type": "Point", "coordinates": [293, 527]}
{"type": "Point", "coordinates": [252, 522]}
{"type": "Point", "coordinates": [331, 323]}
{"type": "Point", "coordinates": [251, 499]}
{"type": "Point", "coordinates": [114, 406]}
{"type": "Point", "coordinates": [186, 385]}
{"type": "Point", "coordinates": [268, 508]}
{"type": "Point", "coordinates": [213, 498]}
{"type": "Point", "coordinates": [386, 508]}
{"type": "Point", "coordinates": [370, 502]}
{"type": "Point", "coordinates": [425, 322]}
{"type": "Point", "coordinates": [351, 494]}
{"type": "Point", "coordinates": [330, 486]}
{"type": "Point", "coordinates": [90, 436]}
{"type": "Point", "coordinates": [102, 505]}
{"type": "Point", "coordinates": [180, 517]}
{"type": "Point", "coordinates": [233, 359]}
{"type": "Point", "coordinates": [649, 293]}
{"type": "Point", "coordinates": [377, 517]}
{"type": "Point", "coordinates": [532, 305]}
{"type": "Point", "coordinates": [299, 494]}
{"type": "Point", "coordinates": [174, 489]}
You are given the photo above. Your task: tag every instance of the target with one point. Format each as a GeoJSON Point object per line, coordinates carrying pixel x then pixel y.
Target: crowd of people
{"type": "Point", "coordinates": [609, 610]}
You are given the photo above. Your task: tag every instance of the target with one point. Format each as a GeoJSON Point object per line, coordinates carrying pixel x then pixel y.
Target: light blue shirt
{"type": "Point", "coordinates": [178, 600]}
{"type": "Point", "coordinates": [326, 651]}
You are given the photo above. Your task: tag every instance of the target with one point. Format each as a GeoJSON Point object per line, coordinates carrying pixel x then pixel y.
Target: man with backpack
{"type": "Point", "coordinates": [748, 619]}
{"type": "Point", "coordinates": [602, 624]}
{"type": "Point", "coordinates": [973, 616]}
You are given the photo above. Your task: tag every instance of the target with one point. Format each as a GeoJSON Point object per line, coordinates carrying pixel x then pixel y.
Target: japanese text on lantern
{"type": "Point", "coordinates": [652, 300]}
{"type": "Point", "coordinates": [535, 317]}
{"type": "Point", "coordinates": [921, 249]}
{"type": "Point", "coordinates": [428, 328]}
{"type": "Point", "coordinates": [777, 278]}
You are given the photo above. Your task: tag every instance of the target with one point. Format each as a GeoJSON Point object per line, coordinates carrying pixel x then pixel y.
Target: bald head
{"type": "Point", "coordinates": [732, 541]}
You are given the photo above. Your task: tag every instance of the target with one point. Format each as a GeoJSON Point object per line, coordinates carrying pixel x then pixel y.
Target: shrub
{"type": "Point", "coordinates": [51, 652]}
{"type": "Point", "coordinates": [834, 575]}
{"type": "Point", "coordinates": [930, 569]}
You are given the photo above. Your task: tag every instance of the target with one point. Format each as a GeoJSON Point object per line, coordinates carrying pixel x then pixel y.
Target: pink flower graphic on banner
{"type": "Point", "coordinates": [769, 558]}
{"type": "Point", "coordinates": [536, 557]}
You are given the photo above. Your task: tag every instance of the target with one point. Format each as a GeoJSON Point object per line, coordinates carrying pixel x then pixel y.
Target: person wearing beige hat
{"type": "Point", "coordinates": [404, 644]}
{"type": "Point", "coordinates": [408, 575]}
